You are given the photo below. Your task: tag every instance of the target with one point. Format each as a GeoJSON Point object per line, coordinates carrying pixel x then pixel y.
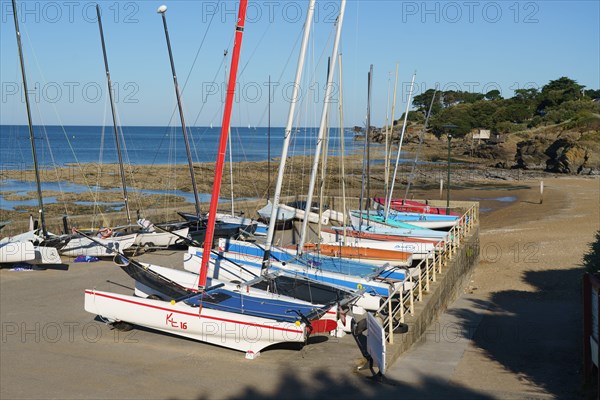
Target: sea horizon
{"type": "Point", "coordinates": [61, 145]}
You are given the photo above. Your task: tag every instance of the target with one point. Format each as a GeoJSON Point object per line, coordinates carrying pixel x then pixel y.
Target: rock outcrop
{"type": "Point", "coordinates": [531, 154]}
{"type": "Point", "coordinates": [566, 157]}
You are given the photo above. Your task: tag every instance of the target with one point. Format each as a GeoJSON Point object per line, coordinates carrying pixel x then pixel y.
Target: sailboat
{"type": "Point", "coordinates": [107, 242]}
{"type": "Point", "coordinates": [378, 281]}
{"type": "Point", "coordinates": [215, 314]}
{"type": "Point", "coordinates": [220, 266]}
{"type": "Point", "coordinates": [45, 244]}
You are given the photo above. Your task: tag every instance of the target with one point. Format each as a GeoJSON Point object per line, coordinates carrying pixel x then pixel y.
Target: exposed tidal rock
{"type": "Point", "coordinates": [566, 157]}
{"type": "Point", "coordinates": [530, 154]}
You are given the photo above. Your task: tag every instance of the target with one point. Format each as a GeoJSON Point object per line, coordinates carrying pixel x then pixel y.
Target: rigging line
{"type": "Point", "coordinates": [127, 160]}
{"type": "Point", "coordinates": [54, 166]}
{"type": "Point", "coordinates": [202, 100]}
{"type": "Point", "coordinates": [254, 50]}
{"type": "Point", "coordinates": [130, 170]}
{"type": "Point", "coordinates": [287, 62]}
{"type": "Point", "coordinates": [185, 82]}
{"type": "Point", "coordinates": [43, 125]}
{"type": "Point", "coordinates": [197, 54]}
{"type": "Point", "coordinates": [213, 80]}
{"type": "Point", "coordinates": [37, 63]}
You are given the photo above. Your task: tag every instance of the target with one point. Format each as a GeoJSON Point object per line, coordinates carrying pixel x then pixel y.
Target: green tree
{"type": "Point", "coordinates": [422, 102]}
{"type": "Point", "coordinates": [526, 95]}
{"type": "Point", "coordinates": [592, 94]}
{"type": "Point", "coordinates": [493, 95]}
{"type": "Point", "coordinates": [459, 115]}
{"type": "Point", "coordinates": [558, 91]}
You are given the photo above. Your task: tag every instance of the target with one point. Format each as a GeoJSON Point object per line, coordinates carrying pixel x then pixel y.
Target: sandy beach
{"type": "Point", "coordinates": [517, 330]}
{"type": "Point", "coordinates": [525, 293]}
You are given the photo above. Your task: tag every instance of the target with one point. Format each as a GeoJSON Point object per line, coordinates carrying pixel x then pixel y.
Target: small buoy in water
{"type": "Point", "coordinates": [73, 136]}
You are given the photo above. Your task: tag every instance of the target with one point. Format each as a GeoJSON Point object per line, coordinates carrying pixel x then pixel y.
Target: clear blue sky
{"type": "Point", "coordinates": [476, 46]}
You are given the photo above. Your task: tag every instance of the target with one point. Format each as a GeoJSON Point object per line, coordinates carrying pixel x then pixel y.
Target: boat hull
{"type": "Point", "coordinates": [283, 215]}
{"type": "Point", "coordinates": [417, 249]}
{"type": "Point", "coordinates": [190, 281]}
{"type": "Point", "coordinates": [160, 239]}
{"type": "Point", "coordinates": [410, 206]}
{"type": "Point", "coordinates": [14, 252]}
{"type": "Point", "coordinates": [83, 246]}
{"type": "Point", "coordinates": [366, 254]}
{"type": "Point", "coordinates": [404, 222]}
{"type": "Point", "coordinates": [235, 331]}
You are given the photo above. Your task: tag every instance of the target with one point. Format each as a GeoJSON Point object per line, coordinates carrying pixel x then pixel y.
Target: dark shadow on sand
{"type": "Point", "coordinates": [44, 267]}
{"type": "Point", "coordinates": [534, 334]}
{"type": "Point", "coordinates": [322, 385]}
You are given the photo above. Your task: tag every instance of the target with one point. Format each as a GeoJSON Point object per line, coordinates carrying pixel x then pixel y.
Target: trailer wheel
{"type": "Point", "coordinates": [360, 327]}
{"type": "Point", "coordinates": [122, 326]}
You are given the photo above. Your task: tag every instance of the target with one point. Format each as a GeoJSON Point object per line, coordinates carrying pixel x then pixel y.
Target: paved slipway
{"type": "Point", "coordinates": [516, 332]}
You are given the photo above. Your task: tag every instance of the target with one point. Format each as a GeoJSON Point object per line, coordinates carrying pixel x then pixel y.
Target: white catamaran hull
{"type": "Point", "coordinates": [242, 221]}
{"type": "Point", "coordinates": [282, 215]}
{"type": "Point", "coordinates": [286, 213]}
{"type": "Point", "coordinates": [236, 331]}
{"type": "Point", "coordinates": [82, 246]}
{"type": "Point", "coordinates": [46, 255]}
{"type": "Point", "coordinates": [159, 239]}
{"type": "Point", "coordinates": [190, 280]}
{"type": "Point", "coordinates": [14, 252]}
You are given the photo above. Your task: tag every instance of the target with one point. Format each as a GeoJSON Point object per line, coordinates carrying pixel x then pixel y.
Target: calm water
{"type": "Point", "coordinates": [21, 188]}
{"type": "Point", "coordinates": [58, 146]}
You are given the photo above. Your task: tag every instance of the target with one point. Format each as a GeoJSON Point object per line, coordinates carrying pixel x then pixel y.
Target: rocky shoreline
{"type": "Point", "coordinates": [554, 149]}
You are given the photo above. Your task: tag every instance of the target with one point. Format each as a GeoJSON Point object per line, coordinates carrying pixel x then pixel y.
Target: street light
{"type": "Point", "coordinates": [448, 195]}
{"type": "Point", "coordinates": [448, 127]}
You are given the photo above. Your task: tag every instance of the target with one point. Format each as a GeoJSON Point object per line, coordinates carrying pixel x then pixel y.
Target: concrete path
{"type": "Point", "coordinates": [440, 350]}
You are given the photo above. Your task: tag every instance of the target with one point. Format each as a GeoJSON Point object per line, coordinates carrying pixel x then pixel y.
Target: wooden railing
{"type": "Point", "coordinates": [402, 301]}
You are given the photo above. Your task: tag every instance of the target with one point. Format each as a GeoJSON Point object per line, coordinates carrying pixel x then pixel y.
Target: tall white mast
{"type": "Point", "coordinates": [389, 200]}
{"type": "Point", "coordinates": [288, 133]}
{"type": "Point", "coordinates": [389, 150]}
{"type": "Point", "coordinates": [343, 151]}
{"type": "Point", "coordinates": [386, 168]}
{"type": "Point", "coordinates": [326, 101]}
{"type": "Point", "coordinates": [230, 146]}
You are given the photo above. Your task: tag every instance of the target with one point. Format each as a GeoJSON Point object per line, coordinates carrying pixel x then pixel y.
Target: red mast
{"type": "Point", "coordinates": [212, 212]}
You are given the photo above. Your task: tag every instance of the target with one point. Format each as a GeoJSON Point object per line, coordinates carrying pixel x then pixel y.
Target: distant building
{"type": "Point", "coordinates": [482, 134]}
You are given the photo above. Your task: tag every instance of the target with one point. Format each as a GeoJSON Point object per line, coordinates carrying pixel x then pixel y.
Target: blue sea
{"type": "Point", "coordinates": [62, 145]}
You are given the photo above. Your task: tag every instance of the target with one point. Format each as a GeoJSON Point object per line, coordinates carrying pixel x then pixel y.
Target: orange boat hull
{"type": "Point", "coordinates": [359, 252]}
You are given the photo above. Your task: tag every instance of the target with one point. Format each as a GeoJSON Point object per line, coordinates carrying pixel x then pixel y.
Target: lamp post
{"type": "Point", "coordinates": [448, 190]}
{"type": "Point", "coordinates": [447, 128]}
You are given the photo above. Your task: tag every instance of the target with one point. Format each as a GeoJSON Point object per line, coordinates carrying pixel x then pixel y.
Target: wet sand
{"type": "Point", "coordinates": [101, 192]}
{"type": "Point", "coordinates": [516, 331]}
